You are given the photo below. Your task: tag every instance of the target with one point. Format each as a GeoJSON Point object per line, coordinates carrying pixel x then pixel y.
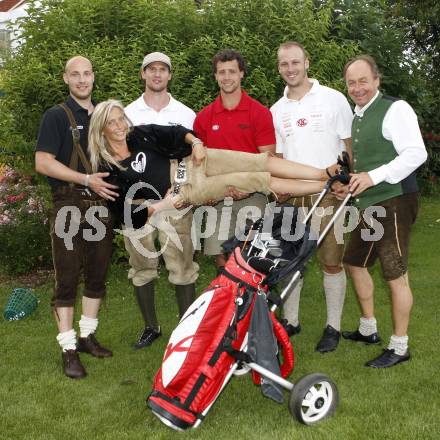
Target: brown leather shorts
{"type": "Point", "coordinates": [331, 249]}
{"type": "Point", "coordinates": [79, 245]}
{"type": "Point", "coordinates": [386, 238]}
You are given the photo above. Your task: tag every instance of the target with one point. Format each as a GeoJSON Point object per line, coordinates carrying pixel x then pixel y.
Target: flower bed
{"type": "Point", "coordinates": [24, 229]}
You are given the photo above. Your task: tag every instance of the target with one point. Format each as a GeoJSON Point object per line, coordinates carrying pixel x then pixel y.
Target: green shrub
{"type": "Point", "coordinates": [116, 35]}
{"type": "Point", "coordinates": [25, 245]}
{"type": "Point", "coordinates": [24, 229]}
{"type": "Point", "coordinates": [119, 253]}
{"type": "Point", "coordinates": [429, 173]}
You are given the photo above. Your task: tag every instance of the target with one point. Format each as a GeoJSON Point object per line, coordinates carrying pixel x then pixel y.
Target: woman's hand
{"type": "Point", "coordinates": [198, 154]}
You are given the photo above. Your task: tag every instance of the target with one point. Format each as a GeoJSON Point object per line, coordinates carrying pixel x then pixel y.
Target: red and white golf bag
{"type": "Point", "coordinates": [230, 325]}
{"type": "Point", "coordinates": [206, 347]}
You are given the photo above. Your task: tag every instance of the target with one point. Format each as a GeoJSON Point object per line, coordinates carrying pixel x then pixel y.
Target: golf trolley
{"type": "Point", "coordinates": [231, 328]}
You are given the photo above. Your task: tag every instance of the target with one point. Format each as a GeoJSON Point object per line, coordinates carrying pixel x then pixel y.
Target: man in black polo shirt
{"type": "Point", "coordinates": [81, 231]}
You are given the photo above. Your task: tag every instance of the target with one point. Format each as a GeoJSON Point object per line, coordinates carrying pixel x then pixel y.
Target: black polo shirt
{"type": "Point", "coordinates": [55, 135]}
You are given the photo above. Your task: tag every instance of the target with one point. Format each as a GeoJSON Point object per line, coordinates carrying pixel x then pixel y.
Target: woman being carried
{"type": "Point", "coordinates": [147, 155]}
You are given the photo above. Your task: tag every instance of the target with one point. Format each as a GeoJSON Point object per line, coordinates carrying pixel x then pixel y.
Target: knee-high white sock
{"type": "Point", "coordinates": [291, 306]}
{"type": "Point", "coordinates": [367, 326]}
{"type": "Point", "coordinates": [399, 344]}
{"type": "Point", "coordinates": [334, 289]}
{"type": "Point", "coordinates": [87, 326]}
{"type": "Point", "coordinates": [67, 340]}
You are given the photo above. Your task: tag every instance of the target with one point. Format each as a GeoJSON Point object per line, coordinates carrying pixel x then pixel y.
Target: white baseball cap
{"type": "Point", "coordinates": [156, 56]}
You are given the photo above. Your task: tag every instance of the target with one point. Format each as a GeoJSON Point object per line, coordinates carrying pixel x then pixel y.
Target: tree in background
{"type": "Point", "coordinates": [423, 40]}
{"type": "Point", "coordinates": [403, 36]}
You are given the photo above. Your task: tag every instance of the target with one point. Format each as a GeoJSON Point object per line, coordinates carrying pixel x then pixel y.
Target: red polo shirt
{"type": "Point", "coordinates": [244, 128]}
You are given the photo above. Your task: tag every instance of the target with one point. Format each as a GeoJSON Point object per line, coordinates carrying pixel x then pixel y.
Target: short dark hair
{"type": "Point", "coordinates": [368, 59]}
{"type": "Point", "coordinates": [228, 55]}
{"type": "Point", "coordinates": [289, 44]}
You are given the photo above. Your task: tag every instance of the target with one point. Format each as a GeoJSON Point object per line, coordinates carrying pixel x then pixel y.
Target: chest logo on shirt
{"type": "Point", "coordinates": [215, 127]}
{"type": "Point", "coordinates": [139, 164]}
{"type": "Point", "coordinates": [302, 122]}
{"type": "Point", "coordinates": [243, 126]}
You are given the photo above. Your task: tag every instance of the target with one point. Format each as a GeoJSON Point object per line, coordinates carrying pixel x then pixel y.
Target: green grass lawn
{"type": "Point", "coordinates": [38, 402]}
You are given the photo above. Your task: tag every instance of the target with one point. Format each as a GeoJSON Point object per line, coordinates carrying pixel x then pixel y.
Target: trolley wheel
{"type": "Point", "coordinates": [313, 398]}
{"type": "Point", "coordinates": [241, 370]}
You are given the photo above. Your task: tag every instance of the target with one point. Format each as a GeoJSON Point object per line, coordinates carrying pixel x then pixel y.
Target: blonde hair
{"type": "Point", "coordinates": [289, 44]}
{"type": "Point", "coordinates": [101, 152]}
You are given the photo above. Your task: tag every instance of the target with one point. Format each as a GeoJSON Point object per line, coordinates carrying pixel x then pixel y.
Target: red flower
{"type": "Point", "coordinates": [13, 199]}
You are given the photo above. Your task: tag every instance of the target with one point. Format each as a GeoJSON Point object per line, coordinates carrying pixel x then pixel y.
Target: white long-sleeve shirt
{"type": "Point", "coordinates": [400, 126]}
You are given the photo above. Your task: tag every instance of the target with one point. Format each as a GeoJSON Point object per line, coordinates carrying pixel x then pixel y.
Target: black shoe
{"type": "Point", "coordinates": [388, 359]}
{"type": "Point", "coordinates": [290, 329]}
{"type": "Point", "coordinates": [72, 365]}
{"type": "Point", "coordinates": [148, 336]}
{"type": "Point", "coordinates": [91, 345]}
{"type": "Point", "coordinates": [329, 341]}
{"type": "Point", "coordinates": [358, 337]}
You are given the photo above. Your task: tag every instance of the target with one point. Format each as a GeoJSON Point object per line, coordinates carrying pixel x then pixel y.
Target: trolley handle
{"type": "Point", "coordinates": [344, 163]}
{"type": "Point", "coordinates": [342, 178]}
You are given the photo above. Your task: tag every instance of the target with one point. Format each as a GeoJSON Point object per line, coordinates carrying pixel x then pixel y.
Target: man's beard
{"type": "Point", "coordinates": [157, 89]}
{"type": "Point", "coordinates": [85, 95]}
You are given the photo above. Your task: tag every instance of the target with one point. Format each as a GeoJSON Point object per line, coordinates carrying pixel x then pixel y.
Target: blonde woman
{"type": "Point", "coordinates": [143, 163]}
{"type": "Point", "coordinates": [149, 154]}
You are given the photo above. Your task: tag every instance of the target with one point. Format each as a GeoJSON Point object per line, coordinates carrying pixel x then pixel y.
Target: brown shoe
{"type": "Point", "coordinates": [72, 365]}
{"type": "Point", "coordinates": [91, 345]}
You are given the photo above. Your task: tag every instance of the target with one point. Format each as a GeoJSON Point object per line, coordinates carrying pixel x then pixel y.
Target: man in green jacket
{"type": "Point", "coordinates": [387, 149]}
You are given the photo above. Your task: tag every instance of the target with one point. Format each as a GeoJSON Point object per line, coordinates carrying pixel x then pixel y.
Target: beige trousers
{"type": "Point", "coordinates": [221, 169]}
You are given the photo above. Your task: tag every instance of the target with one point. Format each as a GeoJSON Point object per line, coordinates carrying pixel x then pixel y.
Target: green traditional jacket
{"type": "Point", "coordinates": [371, 150]}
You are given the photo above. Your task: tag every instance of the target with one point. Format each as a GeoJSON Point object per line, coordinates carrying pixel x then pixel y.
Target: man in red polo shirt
{"type": "Point", "coordinates": [234, 121]}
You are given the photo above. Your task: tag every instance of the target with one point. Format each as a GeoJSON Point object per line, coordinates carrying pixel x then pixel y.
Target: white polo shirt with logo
{"type": "Point", "coordinates": [174, 113]}
{"type": "Point", "coordinates": [310, 131]}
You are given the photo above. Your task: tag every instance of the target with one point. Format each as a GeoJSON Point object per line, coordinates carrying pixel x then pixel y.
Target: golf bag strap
{"type": "Point", "coordinates": [227, 342]}
{"type": "Point", "coordinates": [177, 403]}
{"type": "Point", "coordinates": [228, 348]}
{"type": "Point", "coordinates": [237, 280]}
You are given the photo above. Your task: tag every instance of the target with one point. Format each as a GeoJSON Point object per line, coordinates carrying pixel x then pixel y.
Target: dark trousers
{"type": "Point", "coordinates": [81, 240]}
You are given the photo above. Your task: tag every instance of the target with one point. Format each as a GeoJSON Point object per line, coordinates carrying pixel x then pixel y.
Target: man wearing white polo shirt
{"type": "Point", "coordinates": [157, 106]}
{"type": "Point", "coordinates": [313, 126]}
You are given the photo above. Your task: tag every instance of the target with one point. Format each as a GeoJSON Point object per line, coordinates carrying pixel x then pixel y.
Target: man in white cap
{"type": "Point", "coordinates": [157, 106]}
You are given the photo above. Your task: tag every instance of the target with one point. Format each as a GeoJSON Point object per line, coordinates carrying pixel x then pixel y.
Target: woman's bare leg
{"type": "Point", "coordinates": [292, 170]}
{"type": "Point", "coordinates": [295, 187]}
